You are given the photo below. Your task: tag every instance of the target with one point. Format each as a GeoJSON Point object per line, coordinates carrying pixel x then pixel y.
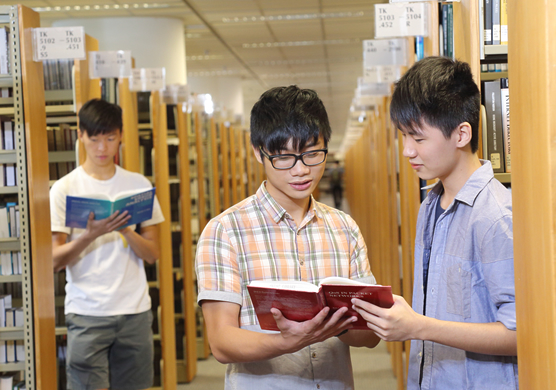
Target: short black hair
{"type": "Point", "coordinates": [100, 117]}
{"type": "Point", "coordinates": [442, 93]}
{"type": "Point", "coordinates": [288, 113]}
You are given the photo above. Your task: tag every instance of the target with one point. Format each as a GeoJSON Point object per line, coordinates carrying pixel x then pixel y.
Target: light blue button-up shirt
{"type": "Point", "coordinates": [470, 279]}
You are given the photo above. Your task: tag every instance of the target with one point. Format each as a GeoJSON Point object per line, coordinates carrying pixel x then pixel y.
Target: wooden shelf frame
{"type": "Point", "coordinates": [165, 267]}
{"type": "Point", "coordinates": [40, 365]}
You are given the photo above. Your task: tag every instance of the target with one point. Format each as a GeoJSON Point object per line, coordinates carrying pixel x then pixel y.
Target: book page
{"type": "Point", "coordinates": [342, 281]}
{"type": "Point", "coordinates": [294, 285]}
{"type": "Point", "coordinates": [126, 194]}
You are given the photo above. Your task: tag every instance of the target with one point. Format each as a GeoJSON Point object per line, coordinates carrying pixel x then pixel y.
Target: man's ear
{"type": "Point", "coordinates": [464, 134]}
{"type": "Point", "coordinates": [80, 134]}
{"type": "Point", "coordinates": [257, 153]}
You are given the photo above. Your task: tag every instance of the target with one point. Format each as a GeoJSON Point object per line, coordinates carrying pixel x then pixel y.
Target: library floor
{"type": "Point", "coordinates": [372, 368]}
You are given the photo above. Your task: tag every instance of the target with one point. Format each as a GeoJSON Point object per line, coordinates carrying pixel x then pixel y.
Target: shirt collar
{"type": "Point", "coordinates": [276, 211]}
{"type": "Point", "coordinates": [471, 189]}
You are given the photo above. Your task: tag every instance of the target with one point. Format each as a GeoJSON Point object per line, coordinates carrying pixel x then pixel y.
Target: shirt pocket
{"type": "Point", "coordinates": [458, 291]}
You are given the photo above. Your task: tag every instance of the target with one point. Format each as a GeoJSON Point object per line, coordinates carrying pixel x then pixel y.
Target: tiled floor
{"type": "Point", "coordinates": [371, 370]}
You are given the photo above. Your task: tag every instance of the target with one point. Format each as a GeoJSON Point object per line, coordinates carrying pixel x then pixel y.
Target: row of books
{"type": "Point", "coordinates": [57, 74]}
{"type": "Point", "coordinates": [495, 21]}
{"type": "Point", "coordinates": [60, 139]}
{"type": "Point", "coordinates": [492, 68]}
{"type": "Point", "coordinates": [12, 351]}
{"type": "Point", "coordinates": [9, 316]}
{"type": "Point", "coordinates": [496, 124]}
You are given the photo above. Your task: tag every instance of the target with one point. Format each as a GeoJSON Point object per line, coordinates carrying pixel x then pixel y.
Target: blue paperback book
{"type": "Point", "coordinates": [139, 204]}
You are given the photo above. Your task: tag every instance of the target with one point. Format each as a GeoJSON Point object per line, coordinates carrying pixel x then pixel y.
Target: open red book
{"type": "Point", "coordinates": [301, 301]}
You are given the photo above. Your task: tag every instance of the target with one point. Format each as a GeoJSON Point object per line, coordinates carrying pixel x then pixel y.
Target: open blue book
{"type": "Point", "coordinates": [139, 204]}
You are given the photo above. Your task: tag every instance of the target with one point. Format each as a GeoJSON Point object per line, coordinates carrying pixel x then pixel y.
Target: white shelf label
{"type": "Point", "coordinates": [381, 74]}
{"type": "Point", "coordinates": [401, 20]}
{"type": "Point", "coordinates": [371, 89]}
{"type": "Point", "coordinates": [110, 64]}
{"type": "Point", "coordinates": [52, 43]}
{"type": "Point", "coordinates": [147, 79]}
{"type": "Point", "coordinates": [378, 52]}
{"type": "Point", "coordinates": [176, 93]}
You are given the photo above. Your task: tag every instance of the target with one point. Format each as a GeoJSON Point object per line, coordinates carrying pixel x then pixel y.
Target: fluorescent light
{"type": "Point", "coordinates": [301, 43]}
{"type": "Point", "coordinates": [97, 7]}
{"type": "Point", "coordinates": [271, 18]}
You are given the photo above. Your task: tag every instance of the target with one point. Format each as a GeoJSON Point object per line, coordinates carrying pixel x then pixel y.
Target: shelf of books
{"type": "Point", "coordinates": [27, 343]}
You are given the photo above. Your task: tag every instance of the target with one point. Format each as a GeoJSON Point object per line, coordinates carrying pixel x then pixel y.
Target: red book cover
{"type": "Point", "coordinates": [301, 305]}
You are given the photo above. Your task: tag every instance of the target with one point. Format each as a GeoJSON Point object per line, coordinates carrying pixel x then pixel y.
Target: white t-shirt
{"type": "Point", "coordinates": [108, 279]}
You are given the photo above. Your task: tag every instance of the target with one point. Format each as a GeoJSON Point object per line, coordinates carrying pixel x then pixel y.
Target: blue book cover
{"type": "Point", "coordinates": [139, 204]}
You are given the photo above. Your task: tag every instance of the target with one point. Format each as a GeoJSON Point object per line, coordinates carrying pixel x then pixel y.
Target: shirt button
{"type": "Point", "coordinates": [314, 355]}
{"type": "Point", "coordinates": [301, 262]}
{"type": "Point", "coordinates": [318, 386]}
{"type": "Point", "coordinates": [432, 290]}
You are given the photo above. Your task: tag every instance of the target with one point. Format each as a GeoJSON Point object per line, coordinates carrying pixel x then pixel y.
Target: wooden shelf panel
{"type": "Point", "coordinates": [61, 156]}
{"type": "Point", "coordinates": [11, 333]}
{"type": "Point", "coordinates": [496, 49]}
{"type": "Point", "coordinates": [10, 278]}
{"type": "Point", "coordinates": [8, 157]}
{"type": "Point", "coordinates": [10, 244]}
{"type": "Point", "coordinates": [8, 367]}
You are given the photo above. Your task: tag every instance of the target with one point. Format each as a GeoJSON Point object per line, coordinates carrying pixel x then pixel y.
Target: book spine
{"type": "Point", "coordinates": [505, 97]}
{"type": "Point", "coordinates": [495, 148]}
{"type": "Point", "coordinates": [503, 22]}
{"type": "Point", "coordinates": [488, 22]}
{"type": "Point", "coordinates": [495, 22]}
{"type": "Point", "coordinates": [450, 31]}
{"type": "Point", "coordinates": [445, 28]}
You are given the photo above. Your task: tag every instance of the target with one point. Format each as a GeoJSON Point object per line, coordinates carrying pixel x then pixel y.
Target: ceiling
{"type": "Point", "coordinates": [314, 44]}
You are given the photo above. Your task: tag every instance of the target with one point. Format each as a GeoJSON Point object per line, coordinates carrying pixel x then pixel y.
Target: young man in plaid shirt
{"type": "Point", "coordinates": [282, 233]}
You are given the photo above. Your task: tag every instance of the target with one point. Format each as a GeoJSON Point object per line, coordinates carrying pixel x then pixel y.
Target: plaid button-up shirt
{"type": "Point", "coordinates": [257, 240]}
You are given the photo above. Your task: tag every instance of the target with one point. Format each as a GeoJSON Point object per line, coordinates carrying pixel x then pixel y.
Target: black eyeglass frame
{"type": "Point", "coordinates": [296, 156]}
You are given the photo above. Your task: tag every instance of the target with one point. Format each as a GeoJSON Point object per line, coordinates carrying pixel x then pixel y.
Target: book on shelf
{"type": "Point", "coordinates": [14, 317]}
{"type": "Point", "coordinates": [4, 47]}
{"type": "Point", "coordinates": [505, 97]}
{"type": "Point", "coordinates": [487, 8]}
{"type": "Point", "coordinates": [7, 134]}
{"type": "Point", "coordinates": [5, 303]}
{"type": "Point", "coordinates": [58, 74]}
{"type": "Point", "coordinates": [6, 381]}
{"type": "Point", "coordinates": [495, 22]}
{"type": "Point", "coordinates": [301, 301]}
{"type": "Point", "coordinates": [447, 37]}
{"type": "Point", "coordinates": [495, 138]}
{"type": "Point", "coordinates": [503, 22]}
{"type": "Point", "coordinates": [139, 204]}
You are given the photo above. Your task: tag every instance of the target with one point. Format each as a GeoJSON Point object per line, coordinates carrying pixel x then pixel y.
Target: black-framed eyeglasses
{"type": "Point", "coordinates": [288, 161]}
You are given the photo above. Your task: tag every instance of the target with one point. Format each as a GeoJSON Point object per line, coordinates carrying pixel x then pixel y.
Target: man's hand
{"type": "Point", "coordinates": [231, 344]}
{"type": "Point", "coordinates": [100, 227]}
{"type": "Point", "coordinates": [398, 323]}
{"type": "Point", "coordinates": [297, 335]}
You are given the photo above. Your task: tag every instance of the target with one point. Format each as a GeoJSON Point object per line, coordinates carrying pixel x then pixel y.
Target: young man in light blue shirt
{"type": "Point", "coordinates": [462, 324]}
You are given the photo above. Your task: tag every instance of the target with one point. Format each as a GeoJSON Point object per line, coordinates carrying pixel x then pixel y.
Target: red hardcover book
{"type": "Point", "coordinates": [301, 301]}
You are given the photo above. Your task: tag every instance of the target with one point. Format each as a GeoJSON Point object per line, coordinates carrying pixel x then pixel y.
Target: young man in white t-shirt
{"type": "Point", "coordinates": [107, 302]}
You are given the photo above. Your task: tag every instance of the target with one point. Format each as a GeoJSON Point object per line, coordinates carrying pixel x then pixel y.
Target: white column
{"type": "Point", "coordinates": [226, 92]}
{"type": "Point", "coordinates": [154, 42]}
